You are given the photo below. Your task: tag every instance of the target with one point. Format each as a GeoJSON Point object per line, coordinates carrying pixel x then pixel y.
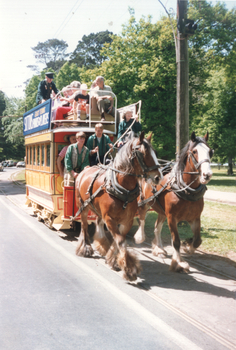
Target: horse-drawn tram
{"type": "Point", "coordinates": [50, 196]}
{"type": "Point", "coordinates": [112, 194]}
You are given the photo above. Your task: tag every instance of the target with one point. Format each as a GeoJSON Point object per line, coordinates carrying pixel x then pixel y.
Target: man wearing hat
{"type": "Point", "coordinates": [45, 88]}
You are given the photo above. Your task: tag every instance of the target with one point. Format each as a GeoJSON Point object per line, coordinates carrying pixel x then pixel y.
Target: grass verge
{"type": "Point", "coordinates": [218, 229]}
{"type": "Point", "coordinates": [220, 181]}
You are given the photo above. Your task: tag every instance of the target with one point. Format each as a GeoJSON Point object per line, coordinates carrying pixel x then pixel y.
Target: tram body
{"type": "Point", "coordinates": [52, 200]}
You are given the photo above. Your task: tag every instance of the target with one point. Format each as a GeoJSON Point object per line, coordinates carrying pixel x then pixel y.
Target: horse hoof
{"type": "Point", "coordinates": [116, 267]}
{"type": "Point", "coordinates": [85, 251]}
{"type": "Point", "coordinates": [129, 277]}
{"type": "Point", "coordinates": [182, 266]}
{"type": "Point", "coordinates": [188, 249]}
{"type": "Point", "coordinates": [161, 253]}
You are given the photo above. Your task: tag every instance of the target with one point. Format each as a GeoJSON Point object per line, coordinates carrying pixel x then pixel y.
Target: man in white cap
{"type": "Point", "coordinates": [45, 88]}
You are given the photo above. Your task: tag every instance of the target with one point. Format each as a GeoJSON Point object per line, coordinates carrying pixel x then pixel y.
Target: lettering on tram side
{"type": "Point", "coordinates": [37, 119]}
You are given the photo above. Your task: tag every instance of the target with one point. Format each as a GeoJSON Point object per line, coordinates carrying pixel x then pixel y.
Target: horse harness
{"type": "Point", "coordinates": [112, 186]}
{"type": "Point", "coordinates": [179, 187]}
{"type": "Point", "coordinates": [139, 155]}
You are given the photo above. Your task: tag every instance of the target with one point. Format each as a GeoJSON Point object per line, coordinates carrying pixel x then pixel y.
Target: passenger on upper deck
{"type": "Point", "coordinates": [61, 156]}
{"type": "Point", "coordinates": [83, 100]}
{"type": "Point", "coordinates": [125, 123]}
{"type": "Point", "coordinates": [67, 100]}
{"type": "Point", "coordinates": [77, 156]}
{"type": "Point", "coordinates": [104, 98]}
{"type": "Point", "coordinates": [100, 143]}
{"type": "Point", "coordinates": [45, 88]}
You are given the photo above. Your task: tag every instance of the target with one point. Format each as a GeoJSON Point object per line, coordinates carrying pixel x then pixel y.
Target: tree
{"type": "Point", "coordinates": [11, 133]}
{"type": "Point", "coordinates": [218, 115]}
{"type": "Point", "coordinates": [2, 102]}
{"type": "Point", "coordinates": [87, 52]}
{"type": "Point", "coordinates": [52, 53]}
{"type": "Point", "coordinates": [68, 73]}
{"type": "Point", "coordinates": [2, 139]}
{"type": "Point", "coordinates": [141, 66]}
{"type": "Point", "coordinates": [31, 90]}
{"type": "Point", "coordinates": [212, 61]}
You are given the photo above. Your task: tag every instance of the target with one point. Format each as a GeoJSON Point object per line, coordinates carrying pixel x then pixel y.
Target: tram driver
{"type": "Point", "coordinates": [76, 158]}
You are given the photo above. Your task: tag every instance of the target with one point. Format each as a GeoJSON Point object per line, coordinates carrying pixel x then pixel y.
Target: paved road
{"type": "Point", "coordinates": [223, 197]}
{"type": "Point", "coordinates": [51, 299]}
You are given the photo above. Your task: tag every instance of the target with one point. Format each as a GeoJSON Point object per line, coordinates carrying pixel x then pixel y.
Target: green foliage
{"type": "Point", "coordinates": [68, 73]}
{"type": "Point", "coordinates": [31, 91]}
{"type": "Point", "coordinates": [11, 130]}
{"type": "Point", "coordinates": [141, 66]}
{"type": "Point", "coordinates": [2, 102]}
{"type": "Point", "coordinates": [218, 114]}
{"type": "Point", "coordinates": [87, 52]}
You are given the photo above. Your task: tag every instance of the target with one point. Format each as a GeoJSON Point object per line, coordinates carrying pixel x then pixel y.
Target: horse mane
{"type": "Point", "coordinates": [122, 159]}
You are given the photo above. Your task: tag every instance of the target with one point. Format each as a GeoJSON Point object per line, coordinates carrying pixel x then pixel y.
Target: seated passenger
{"type": "Point", "coordinates": [83, 101]}
{"type": "Point", "coordinates": [98, 143]}
{"type": "Point", "coordinates": [104, 98]}
{"type": "Point", "coordinates": [66, 105]}
{"type": "Point", "coordinates": [61, 156]}
{"type": "Point", "coordinates": [76, 158]}
{"type": "Point", "coordinates": [125, 123]}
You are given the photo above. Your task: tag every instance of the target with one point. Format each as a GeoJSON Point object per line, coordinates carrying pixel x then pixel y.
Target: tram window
{"type": "Point", "coordinates": [48, 155]}
{"type": "Point", "coordinates": [34, 150]}
{"type": "Point", "coordinates": [31, 155]}
{"type": "Point", "coordinates": [42, 157]}
{"type": "Point", "coordinates": [38, 155]}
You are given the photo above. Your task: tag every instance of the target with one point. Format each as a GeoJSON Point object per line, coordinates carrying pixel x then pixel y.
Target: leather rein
{"type": "Point", "coordinates": [187, 192]}
{"type": "Point", "coordinates": [113, 187]}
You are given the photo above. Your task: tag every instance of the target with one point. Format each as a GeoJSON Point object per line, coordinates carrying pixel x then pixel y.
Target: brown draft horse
{"type": "Point", "coordinates": [114, 193]}
{"type": "Point", "coordinates": [180, 199]}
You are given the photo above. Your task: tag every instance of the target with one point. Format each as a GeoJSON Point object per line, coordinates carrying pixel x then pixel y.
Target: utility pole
{"type": "Point", "coordinates": [185, 27]}
{"type": "Point", "coordinates": [182, 98]}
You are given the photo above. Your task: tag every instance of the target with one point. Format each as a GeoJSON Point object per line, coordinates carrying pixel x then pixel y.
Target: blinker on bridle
{"type": "Point", "coordinates": [196, 163]}
{"type": "Point", "coordinates": [139, 155]}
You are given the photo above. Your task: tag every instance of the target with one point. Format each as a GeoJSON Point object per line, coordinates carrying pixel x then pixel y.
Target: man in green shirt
{"type": "Point", "coordinates": [98, 143]}
{"type": "Point", "coordinates": [77, 157]}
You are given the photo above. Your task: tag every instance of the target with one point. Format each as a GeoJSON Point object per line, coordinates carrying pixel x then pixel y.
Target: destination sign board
{"type": "Point", "coordinates": [38, 118]}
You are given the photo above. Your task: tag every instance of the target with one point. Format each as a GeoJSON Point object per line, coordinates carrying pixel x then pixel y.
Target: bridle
{"type": "Point", "coordinates": [139, 156]}
{"type": "Point", "coordinates": [195, 163]}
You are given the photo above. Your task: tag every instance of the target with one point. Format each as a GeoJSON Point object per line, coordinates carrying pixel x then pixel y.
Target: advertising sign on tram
{"type": "Point", "coordinates": [37, 119]}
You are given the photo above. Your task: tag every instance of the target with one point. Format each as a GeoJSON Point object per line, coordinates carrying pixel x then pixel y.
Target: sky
{"type": "Point", "coordinates": [25, 23]}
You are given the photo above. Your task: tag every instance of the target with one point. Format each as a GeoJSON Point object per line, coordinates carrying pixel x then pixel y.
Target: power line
{"type": "Point", "coordinates": [65, 21]}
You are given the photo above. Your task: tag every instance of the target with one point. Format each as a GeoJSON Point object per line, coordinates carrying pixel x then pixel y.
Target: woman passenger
{"type": "Point", "coordinates": [124, 125]}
